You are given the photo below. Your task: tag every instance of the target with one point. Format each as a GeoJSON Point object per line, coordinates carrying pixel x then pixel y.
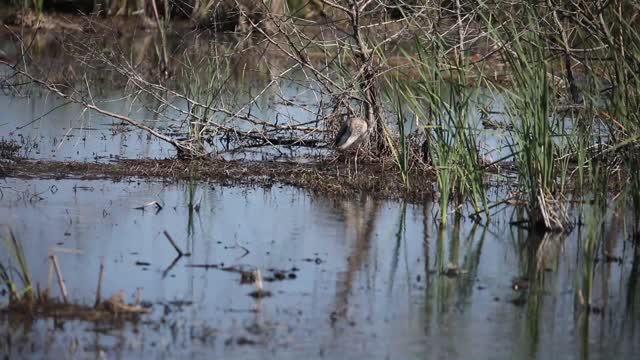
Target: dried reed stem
{"type": "Point", "coordinates": [259, 281]}
{"type": "Point", "coordinates": [100, 275]}
{"type": "Point", "coordinates": [63, 288]}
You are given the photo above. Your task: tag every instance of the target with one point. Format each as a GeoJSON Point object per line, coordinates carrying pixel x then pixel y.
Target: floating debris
{"type": "Point", "coordinates": [153, 203]}
{"type": "Point", "coordinates": [259, 293]}
{"type": "Point", "coordinates": [519, 301]}
{"type": "Point", "coordinates": [452, 271]}
{"type": "Point", "coordinates": [316, 260]}
{"type": "Point", "coordinates": [520, 284]}
{"type": "Point", "coordinates": [241, 340]}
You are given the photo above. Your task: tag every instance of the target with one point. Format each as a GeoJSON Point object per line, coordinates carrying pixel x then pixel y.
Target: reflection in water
{"type": "Point", "coordinates": [359, 221]}
{"type": "Point", "coordinates": [371, 279]}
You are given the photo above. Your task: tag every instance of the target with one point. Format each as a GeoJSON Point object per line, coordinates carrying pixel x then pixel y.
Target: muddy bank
{"type": "Point", "coordinates": [339, 177]}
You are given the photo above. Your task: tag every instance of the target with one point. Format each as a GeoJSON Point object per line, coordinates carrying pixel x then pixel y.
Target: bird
{"type": "Point", "coordinates": [352, 132]}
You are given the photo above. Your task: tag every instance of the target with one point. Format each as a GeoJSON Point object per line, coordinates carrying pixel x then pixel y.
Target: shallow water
{"type": "Point", "coordinates": [48, 128]}
{"type": "Point", "coordinates": [368, 277]}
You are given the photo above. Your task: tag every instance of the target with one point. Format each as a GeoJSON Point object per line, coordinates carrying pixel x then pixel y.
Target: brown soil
{"type": "Point", "coordinates": [380, 180]}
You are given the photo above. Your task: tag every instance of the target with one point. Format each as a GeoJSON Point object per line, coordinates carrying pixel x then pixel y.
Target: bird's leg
{"type": "Point", "coordinates": [356, 160]}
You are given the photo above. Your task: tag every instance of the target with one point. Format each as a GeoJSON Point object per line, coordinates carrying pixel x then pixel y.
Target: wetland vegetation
{"type": "Point", "coordinates": [496, 199]}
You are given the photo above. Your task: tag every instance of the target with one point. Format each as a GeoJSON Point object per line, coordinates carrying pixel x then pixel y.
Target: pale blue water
{"type": "Point", "coordinates": [376, 291]}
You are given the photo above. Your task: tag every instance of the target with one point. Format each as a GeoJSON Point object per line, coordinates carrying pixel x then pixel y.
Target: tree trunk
{"type": "Point", "coordinates": [367, 82]}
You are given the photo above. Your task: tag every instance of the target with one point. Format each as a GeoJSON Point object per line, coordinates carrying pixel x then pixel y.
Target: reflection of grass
{"type": "Point", "coordinates": [16, 279]}
{"type": "Point", "coordinates": [633, 291]}
{"type": "Point", "coordinates": [193, 209]}
{"type": "Point", "coordinates": [456, 274]}
{"type": "Point", "coordinates": [590, 241]}
{"type": "Point", "coordinates": [542, 253]}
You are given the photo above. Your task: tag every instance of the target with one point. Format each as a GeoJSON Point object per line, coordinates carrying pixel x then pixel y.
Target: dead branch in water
{"type": "Point", "coordinates": [63, 288]}
{"type": "Point", "coordinates": [173, 243]}
{"type": "Point", "coordinates": [100, 275]}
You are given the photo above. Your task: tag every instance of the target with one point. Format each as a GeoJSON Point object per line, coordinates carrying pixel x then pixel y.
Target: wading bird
{"type": "Point", "coordinates": [353, 132]}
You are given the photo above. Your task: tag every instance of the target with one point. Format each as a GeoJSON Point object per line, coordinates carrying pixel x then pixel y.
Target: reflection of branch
{"type": "Point", "coordinates": [173, 263]}
{"type": "Point", "coordinates": [43, 115]}
{"type": "Point", "coordinates": [362, 219]}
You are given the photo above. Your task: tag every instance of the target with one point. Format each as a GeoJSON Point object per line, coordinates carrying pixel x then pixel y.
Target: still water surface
{"type": "Point", "coordinates": [368, 277]}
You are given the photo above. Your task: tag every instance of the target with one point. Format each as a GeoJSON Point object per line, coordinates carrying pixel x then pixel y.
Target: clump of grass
{"type": "Point", "coordinates": [16, 278]}
{"type": "Point", "coordinates": [23, 300]}
{"type": "Point", "coordinates": [204, 87]}
{"type": "Point", "coordinates": [441, 101]}
{"type": "Point", "coordinates": [530, 108]}
{"type": "Point", "coordinates": [8, 149]}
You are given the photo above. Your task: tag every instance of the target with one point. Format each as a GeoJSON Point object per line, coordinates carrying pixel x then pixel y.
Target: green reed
{"type": "Point", "coordinates": [400, 149]}
{"type": "Point", "coordinates": [36, 5]}
{"type": "Point", "coordinates": [530, 109]}
{"type": "Point", "coordinates": [206, 80]}
{"type": "Point", "coordinates": [441, 100]}
{"type": "Point", "coordinates": [17, 279]}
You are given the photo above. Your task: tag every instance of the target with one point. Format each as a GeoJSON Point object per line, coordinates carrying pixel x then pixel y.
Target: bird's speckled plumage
{"type": "Point", "coordinates": [352, 133]}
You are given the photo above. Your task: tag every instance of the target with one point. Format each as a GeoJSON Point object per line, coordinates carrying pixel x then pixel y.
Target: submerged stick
{"type": "Point", "coordinates": [259, 281]}
{"type": "Point", "coordinates": [63, 288]}
{"type": "Point", "coordinates": [173, 243]}
{"type": "Point", "coordinates": [100, 274]}
{"type": "Point", "coordinates": [259, 293]}
{"type": "Point", "coordinates": [50, 277]}
{"type": "Point", "coordinates": [138, 299]}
